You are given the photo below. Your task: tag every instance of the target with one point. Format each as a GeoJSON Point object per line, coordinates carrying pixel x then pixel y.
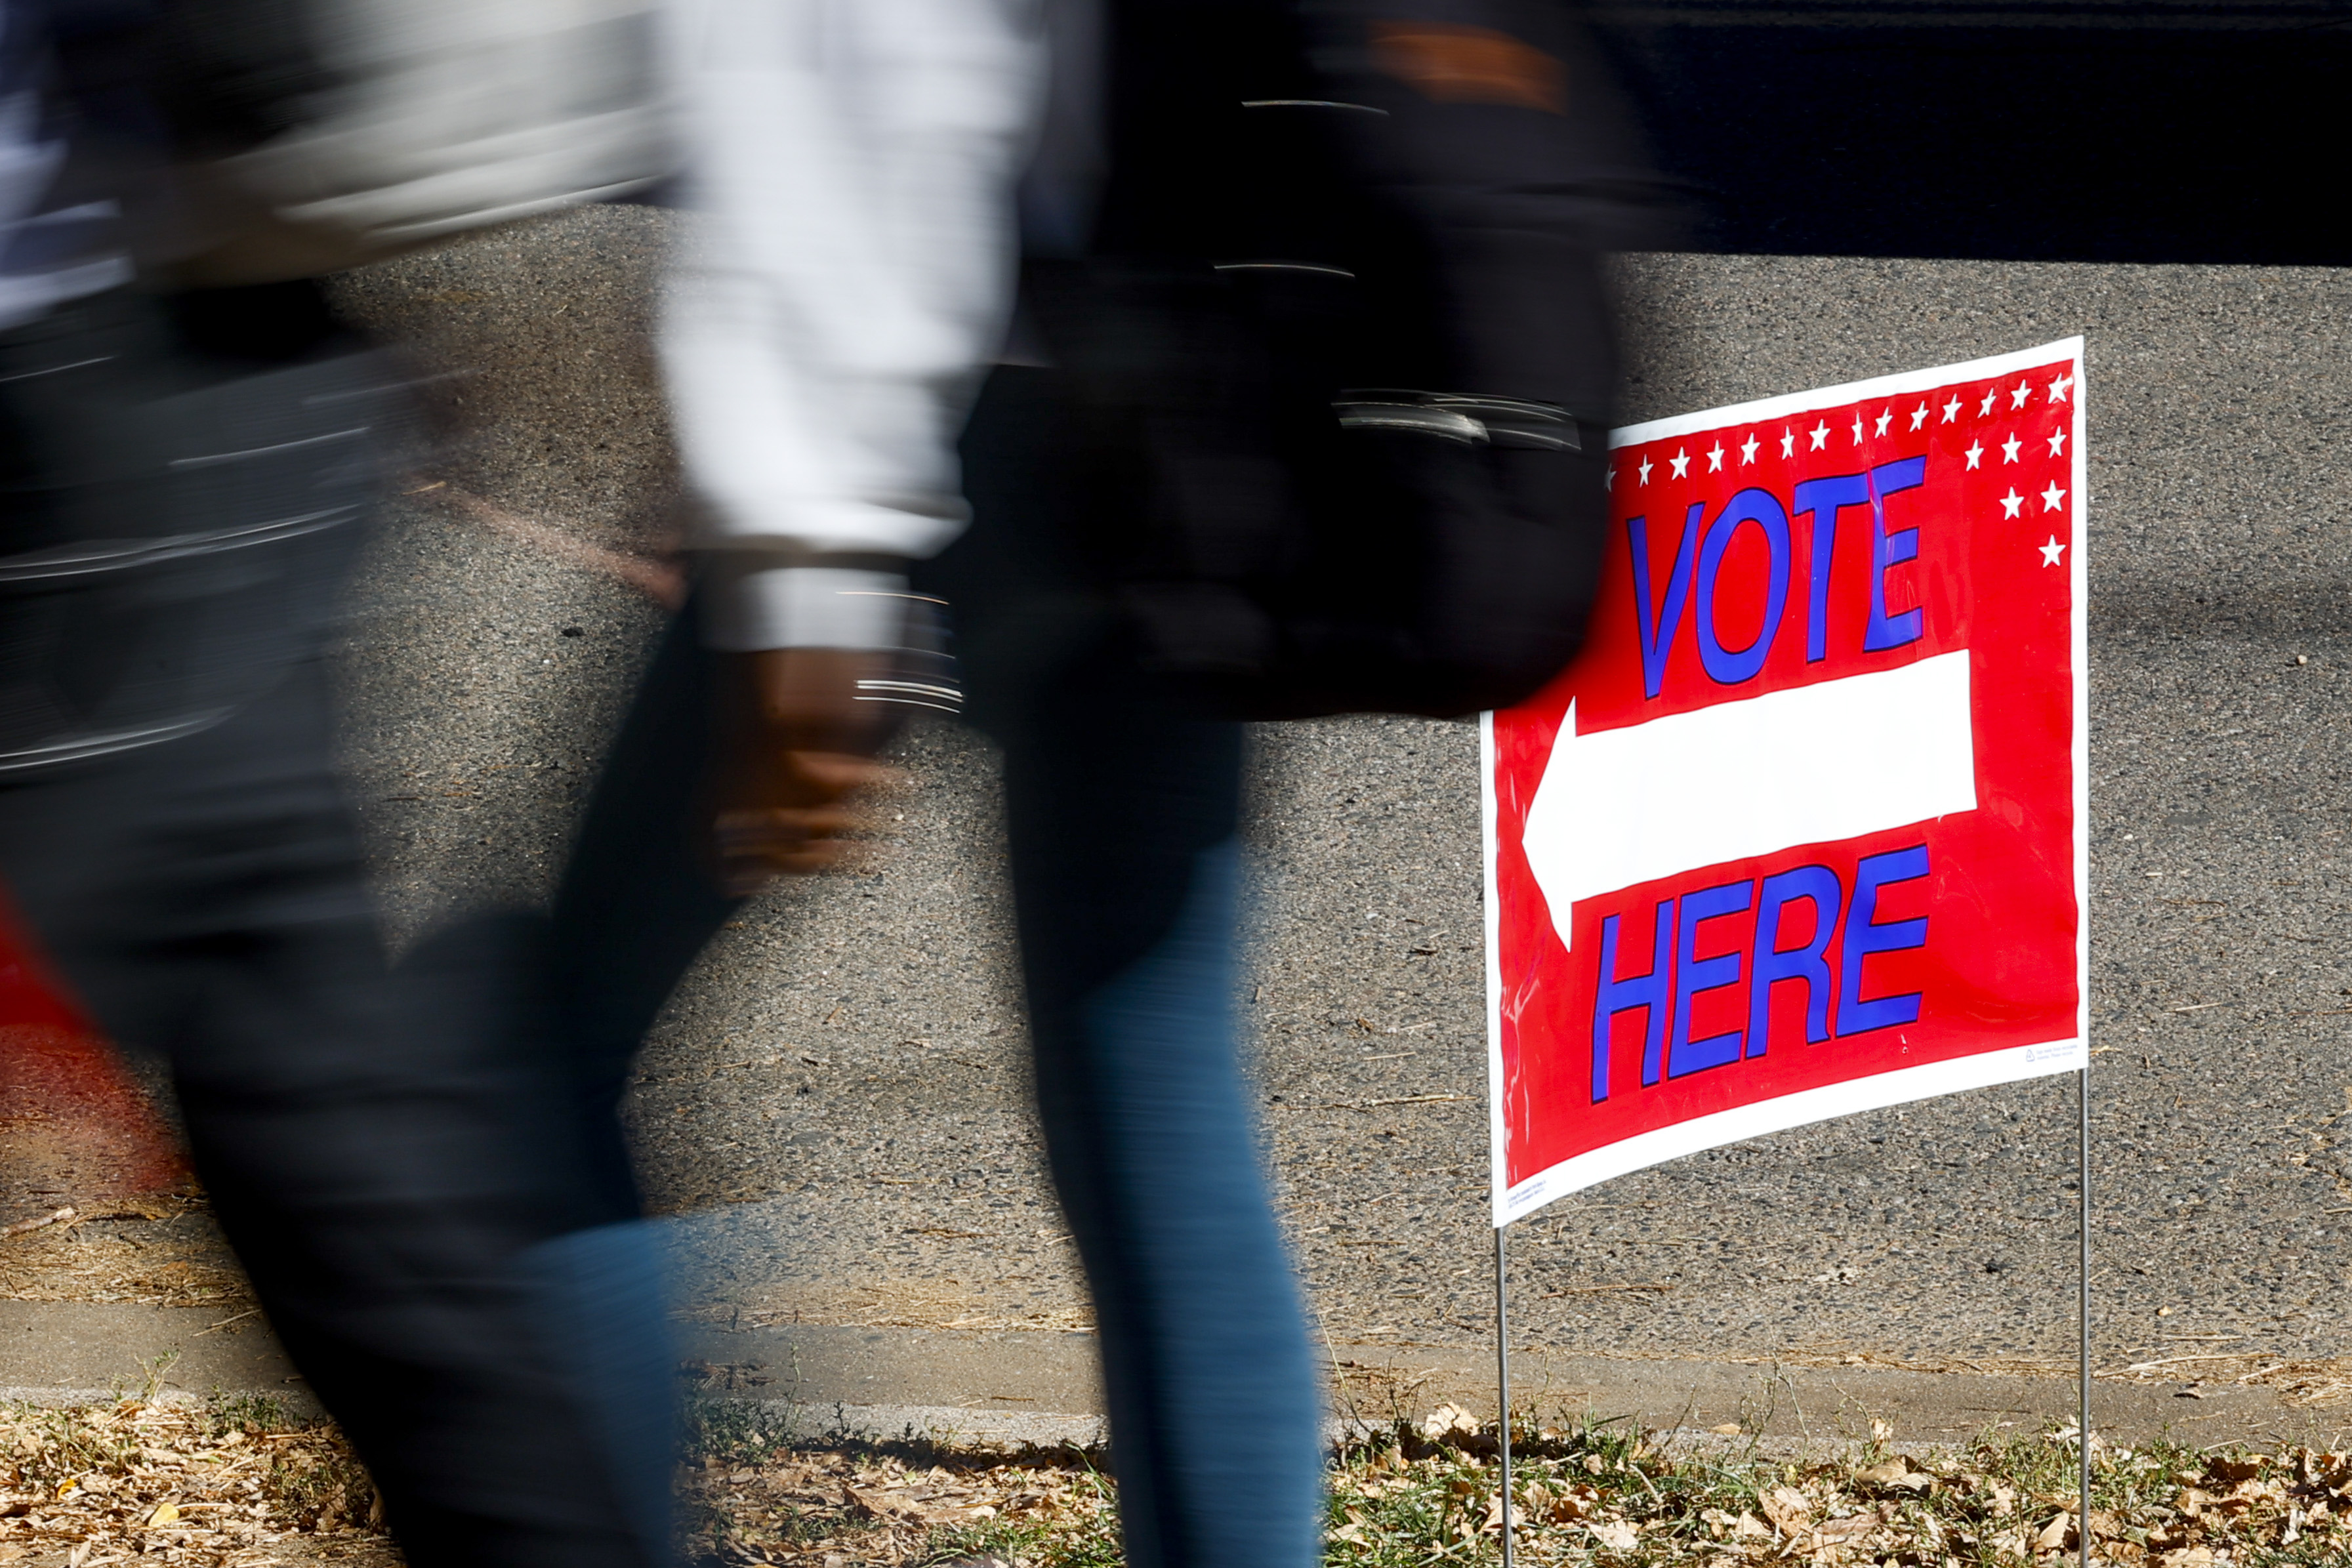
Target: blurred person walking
{"type": "Point", "coordinates": [191, 448]}
{"type": "Point", "coordinates": [1302, 413]}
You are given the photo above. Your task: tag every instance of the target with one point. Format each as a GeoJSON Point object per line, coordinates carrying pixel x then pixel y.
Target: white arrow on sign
{"type": "Point", "coordinates": [1806, 766]}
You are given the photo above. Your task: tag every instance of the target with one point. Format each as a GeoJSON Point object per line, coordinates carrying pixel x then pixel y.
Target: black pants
{"type": "Point", "coordinates": [186, 485]}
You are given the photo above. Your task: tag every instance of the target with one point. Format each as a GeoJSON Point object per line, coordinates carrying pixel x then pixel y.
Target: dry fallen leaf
{"type": "Point", "coordinates": [1846, 1529]}
{"type": "Point", "coordinates": [1448, 1421]}
{"type": "Point", "coordinates": [1574, 1503]}
{"type": "Point", "coordinates": [1787, 1508]}
{"type": "Point", "coordinates": [1616, 1534]}
{"type": "Point", "coordinates": [1896, 1474]}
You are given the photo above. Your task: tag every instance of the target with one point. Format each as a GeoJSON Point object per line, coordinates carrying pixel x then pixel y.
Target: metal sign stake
{"type": "Point", "coordinates": [1503, 1384]}
{"type": "Point", "coordinates": [2083, 1390]}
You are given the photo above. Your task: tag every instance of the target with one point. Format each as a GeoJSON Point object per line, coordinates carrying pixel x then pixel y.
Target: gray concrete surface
{"type": "Point", "coordinates": [55, 1351]}
{"type": "Point", "coordinates": [973, 1381]}
{"type": "Point", "coordinates": [836, 1102]}
{"type": "Point", "coordinates": [989, 1387]}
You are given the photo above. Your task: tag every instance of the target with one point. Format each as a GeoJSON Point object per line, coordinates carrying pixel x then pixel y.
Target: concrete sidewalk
{"type": "Point", "coordinates": [1000, 1386]}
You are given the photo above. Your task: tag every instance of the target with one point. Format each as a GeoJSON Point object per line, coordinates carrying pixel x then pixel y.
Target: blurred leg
{"type": "Point", "coordinates": [379, 1166]}
{"type": "Point", "coordinates": [379, 1180]}
{"type": "Point", "coordinates": [634, 910]}
{"type": "Point", "coordinates": [1126, 866]}
{"type": "Point", "coordinates": [637, 906]}
{"type": "Point", "coordinates": [1123, 817]}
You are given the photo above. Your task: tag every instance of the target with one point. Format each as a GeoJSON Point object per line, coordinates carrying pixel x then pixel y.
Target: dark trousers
{"type": "Point", "coordinates": [1123, 818]}
{"type": "Point", "coordinates": [184, 496]}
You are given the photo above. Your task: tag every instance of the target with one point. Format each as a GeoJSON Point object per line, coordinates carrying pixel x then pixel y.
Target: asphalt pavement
{"type": "Point", "coordinates": [837, 1099]}
{"type": "Point", "coordinates": [835, 1105]}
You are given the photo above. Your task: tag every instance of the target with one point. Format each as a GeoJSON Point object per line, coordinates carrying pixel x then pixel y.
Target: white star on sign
{"type": "Point", "coordinates": [1821, 434]}
{"type": "Point", "coordinates": [2058, 388]}
{"type": "Point", "coordinates": [1747, 449]}
{"type": "Point", "coordinates": [2051, 496]}
{"type": "Point", "coordinates": [1681, 461]}
{"type": "Point", "coordinates": [2011, 502]}
{"type": "Point", "coordinates": [2017, 399]}
{"type": "Point", "coordinates": [1857, 429]}
{"type": "Point", "coordinates": [1974, 453]}
{"type": "Point", "coordinates": [1645, 470]}
{"type": "Point", "coordinates": [1987, 407]}
{"type": "Point", "coordinates": [2057, 443]}
{"type": "Point", "coordinates": [1886, 417]}
{"type": "Point", "coordinates": [1951, 409]}
{"type": "Point", "coordinates": [1918, 416]}
{"type": "Point", "coordinates": [2051, 552]}
{"type": "Point", "coordinates": [2008, 450]}
{"type": "Point", "coordinates": [1715, 459]}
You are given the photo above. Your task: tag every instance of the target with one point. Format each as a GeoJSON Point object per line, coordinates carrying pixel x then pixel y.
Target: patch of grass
{"type": "Point", "coordinates": [1601, 1494]}
{"type": "Point", "coordinates": [251, 1414]}
{"type": "Point", "coordinates": [54, 1449]}
{"type": "Point", "coordinates": [1587, 1494]}
{"type": "Point", "coordinates": [737, 1432]}
{"type": "Point", "coordinates": [753, 1493]}
{"type": "Point", "coordinates": [1082, 1537]}
{"type": "Point", "coordinates": [205, 1483]}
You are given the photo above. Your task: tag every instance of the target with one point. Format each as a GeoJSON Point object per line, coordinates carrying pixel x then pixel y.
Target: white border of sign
{"type": "Point", "coordinates": [1880, 1089]}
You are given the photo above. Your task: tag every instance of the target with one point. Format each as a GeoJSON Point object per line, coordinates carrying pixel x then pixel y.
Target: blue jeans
{"type": "Point", "coordinates": [1124, 810]}
{"type": "Point", "coordinates": [1123, 814]}
{"type": "Point", "coordinates": [1125, 875]}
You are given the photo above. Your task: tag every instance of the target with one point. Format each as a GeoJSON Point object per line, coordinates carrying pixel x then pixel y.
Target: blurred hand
{"type": "Point", "coordinates": [793, 744]}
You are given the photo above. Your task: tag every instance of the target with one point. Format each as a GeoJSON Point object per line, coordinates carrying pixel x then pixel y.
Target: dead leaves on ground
{"type": "Point", "coordinates": [223, 1486]}
{"type": "Point", "coordinates": [1604, 1495]}
{"type": "Point", "coordinates": [830, 1508]}
{"type": "Point", "coordinates": [177, 1483]}
{"type": "Point", "coordinates": [1614, 1500]}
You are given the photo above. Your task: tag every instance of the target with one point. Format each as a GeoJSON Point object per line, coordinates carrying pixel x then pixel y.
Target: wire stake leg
{"type": "Point", "coordinates": [1502, 1383]}
{"type": "Point", "coordinates": [2082, 1280]}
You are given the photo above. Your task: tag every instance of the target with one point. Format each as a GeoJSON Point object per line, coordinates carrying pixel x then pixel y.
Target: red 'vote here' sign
{"type": "Point", "coordinates": [1802, 831]}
